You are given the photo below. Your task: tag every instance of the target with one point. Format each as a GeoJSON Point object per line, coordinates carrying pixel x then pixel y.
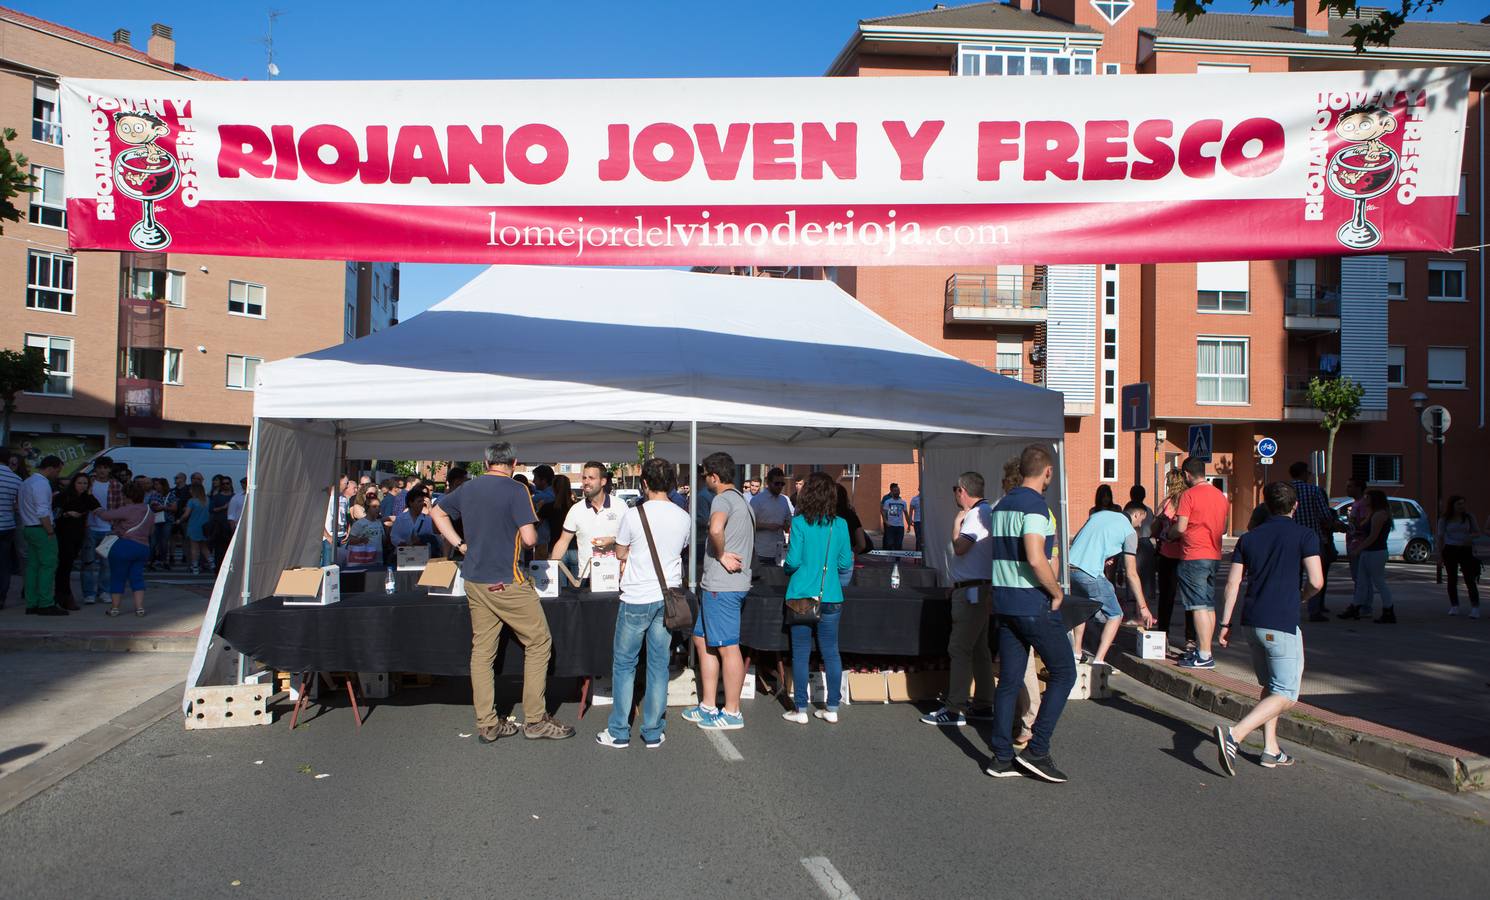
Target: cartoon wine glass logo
{"type": "Point", "coordinates": [146, 172]}
{"type": "Point", "coordinates": [1363, 170]}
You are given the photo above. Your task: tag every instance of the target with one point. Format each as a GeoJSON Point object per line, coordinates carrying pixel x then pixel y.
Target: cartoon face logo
{"type": "Point", "coordinates": [146, 172]}
{"type": "Point", "coordinates": [1365, 168]}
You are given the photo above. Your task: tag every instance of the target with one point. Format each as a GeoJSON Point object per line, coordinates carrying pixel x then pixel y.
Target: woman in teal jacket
{"type": "Point", "coordinates": [818, 552]}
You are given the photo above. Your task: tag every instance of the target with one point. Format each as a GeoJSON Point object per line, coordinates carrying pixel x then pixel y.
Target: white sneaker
{"type": "Point", "coordinates": [1474, 612]}
{"type": "Point", "coordinates": [827, 715]}
{"type": "Point", "coordinates": [1453, 610]}
{"type": "Point", "coordinates": [796, 715]}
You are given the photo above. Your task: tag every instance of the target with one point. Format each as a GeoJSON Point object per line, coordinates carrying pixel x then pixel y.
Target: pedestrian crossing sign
{"type": "Point", "coordinates": [1200, 442]}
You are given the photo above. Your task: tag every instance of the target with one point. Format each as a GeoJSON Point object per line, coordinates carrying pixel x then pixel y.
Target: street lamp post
{"type": "Point", "coordinates": [1419, 400]}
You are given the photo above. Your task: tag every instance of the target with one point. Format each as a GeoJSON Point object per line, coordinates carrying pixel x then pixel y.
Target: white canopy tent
{"type": "Point", "coordinates": [574, 363]}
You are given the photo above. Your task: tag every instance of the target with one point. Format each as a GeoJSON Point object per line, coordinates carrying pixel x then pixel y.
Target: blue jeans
{"type": "Point", "coordinates": [1095, 587]}
{"type": "Point", "coordinates": [127, 564]}
{"type": "Point", "coordinates": [635, 623]}
{"type": "Point", "coordinates": [1371, 572]}
{"type": "Point", "coordinates": [827, 645]}
{"type": "Point", "coordinates": [1198, 583]}
{"type": "Point", "coordinates": [160, 543]}
{"type": "Point", "coordinates": [7, 554]}
{"type": "Point", "coordinates": [894, 537]}
{"type": "Point", "coordinates": [93, 580]}
{"type": "Point", "coordinates": [1017, 635]}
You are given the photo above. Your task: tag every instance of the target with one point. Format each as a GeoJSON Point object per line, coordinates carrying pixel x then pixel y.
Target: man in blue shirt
{"type": "Point", "coordinates": [1270, 557]}
{"type": "Point", "coordinates": [1026, 601]}
{"type": "Point", "coordinates": [893, 511]}
{"type": "Point", "coordinates": [1313, 512]}
{"type": "Point", "coordinates": [1107, 534]}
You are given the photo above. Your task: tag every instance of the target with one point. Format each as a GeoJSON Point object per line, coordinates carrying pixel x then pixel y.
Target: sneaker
{"type": "Point", "coordinates": [723, 721]}
{"type": "Point", "coordinates": [547, 727]}
{"type": "Point", "coordinates": [1001, 768]}
{"type": "Point", "coordinates": [1226, 747]}
{"type": "Point", "coordinates": [1474, 612]}
{"type": "Point", "coordinates": [1198, 662]}
{"type": "Point", "coordinates": [1453, 610]}
{"type": "Point", "coordinates": [1276, 761]}
{"type": "Point", "coordinates": [196, 570]}
{"type": "Point", "coordinates": [653, 745]}
{"type": "Point", "coordinates": [697, 714]}
{"type": "Point", "coordinates": [795, 715]}
{"type": "Point", "coordinates": [979, 714]}
{"type": "Point", "coordinates": [606, 739]}
{"type": "Point", "coordinates": [487, 735]}
{"type": "Point", "coordinates": [89, 601]}
{"type": "Point", "coordinates": [1042, 767]}
{"type": "Point", "coordinates": [827, 715]}
{"type": "Point", "coordinates": [1186, 657]}
{"type": "Point", "coordinates": [1388, 617]}
{"type": "Point", "coordinates": [944, 716]}
{"type": "Point", "coordinates": [1351, 612]}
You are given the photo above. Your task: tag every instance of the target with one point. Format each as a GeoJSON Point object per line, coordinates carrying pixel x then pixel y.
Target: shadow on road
{"type": "Point", "coordinates": [1187, 738]}
{"type": "Point", "coordinates": [20, 751]}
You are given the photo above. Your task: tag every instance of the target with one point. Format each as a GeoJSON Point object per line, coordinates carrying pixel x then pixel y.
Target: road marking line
{"type": "Point", "coordinates": [829, 879]}
{"type": "Point", "coordinates": [723, 745]}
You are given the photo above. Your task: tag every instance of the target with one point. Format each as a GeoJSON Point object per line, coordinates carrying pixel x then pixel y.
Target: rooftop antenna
{"type": "Point", "coordinates": [269, 42]}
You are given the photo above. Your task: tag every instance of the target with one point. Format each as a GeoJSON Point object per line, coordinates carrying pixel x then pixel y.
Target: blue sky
{"type": "Point", "coordinates": [378, 39]}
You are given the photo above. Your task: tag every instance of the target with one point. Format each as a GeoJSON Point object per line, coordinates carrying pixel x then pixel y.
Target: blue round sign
{"type": "Point", "coordinates": [1267, 448]}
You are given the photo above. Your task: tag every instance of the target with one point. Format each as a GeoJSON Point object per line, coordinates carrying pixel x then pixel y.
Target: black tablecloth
{"type": "Point", "coordinates": [412, 632]}
{"type": "Point", "coordinates": [910, 621]}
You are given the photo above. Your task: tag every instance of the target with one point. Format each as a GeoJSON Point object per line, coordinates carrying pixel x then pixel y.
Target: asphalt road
{"type": "Point", "coordinates": [895, 809]}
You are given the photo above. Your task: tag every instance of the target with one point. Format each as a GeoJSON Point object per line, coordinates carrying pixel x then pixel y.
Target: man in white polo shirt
{"type": "Point", "coordinates": [592, 524]}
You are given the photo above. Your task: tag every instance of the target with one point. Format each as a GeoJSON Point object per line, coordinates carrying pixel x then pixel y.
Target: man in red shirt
{"type": "Point", "coordinates": [1199, 524]}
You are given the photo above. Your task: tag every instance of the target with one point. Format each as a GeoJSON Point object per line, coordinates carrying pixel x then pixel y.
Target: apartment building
{"type": "Point", "coordinates": [145, 348]}
{"type": "Point", "coordinates": [1231, 343]}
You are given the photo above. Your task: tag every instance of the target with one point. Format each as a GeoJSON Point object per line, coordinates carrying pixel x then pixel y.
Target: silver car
{"type": "Point", "coordinates": [1411, 537]}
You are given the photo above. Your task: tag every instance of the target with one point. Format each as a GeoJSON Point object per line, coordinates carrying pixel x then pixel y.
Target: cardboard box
{"type": "Point", "coordinates": [413, 558]}
{"type": "Point", "coordinates": [310, 586]}
{"type": "Point", "coordinates": [897, 687]}
{"type": "Point", "coordinates": [925, 685]}
{"type": "Point", "coordinates": [605, 575]}
{"type": "Point", "coordinates": [442, 577]}
{"type": "Point", "coordinates": [1149, 644]}
{"type": "Point", "coordinates": [545, 575]}
{"type": "Point", "coordinates": [867, 687]}
{"type": "Point", "coordinates": [374, 685]}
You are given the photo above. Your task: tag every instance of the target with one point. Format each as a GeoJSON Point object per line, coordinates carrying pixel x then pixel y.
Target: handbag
{"type": "Point", "coordinates": [809, 610]}
{"type": "Point", "coordinates": [677, 608]}
{"type": "Point", "coordinates": [107, 544]}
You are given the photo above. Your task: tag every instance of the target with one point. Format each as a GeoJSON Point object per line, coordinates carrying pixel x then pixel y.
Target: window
{"type": "Point", "coordinates": [172, 366]}
{"type": "Point", "coordinates": [246, 299]}
{"type": "Point", "coordinates": [1445, 280]}
{"type": "Point", "coordinates": [1111, 69]}
{"type": "Point", "coordinates": [46, 114]}
{"type": "Point", "coordinates": [1221, 370]}
{"type": "Point", "coordinates": [1396, 279]}
{"type": "Point", "coordinates": [1112, 10]}
{"type": "Point", "coordinates": [1221, 287]}
{"type": "Point", "coordinates": [1377, 468]}
{"type": "Point", "coordinates": [984, 59]}
{"type": "Point", "coordinates": [49, 281]}
{"type": "Point", "coordinates": [1445, 367]}
{"type": "Point", "coordinates": [241, 371]}
{"type": "Point", "coordinates": [1010, 358]}
{"type": "Point", "coordinates": [1396, 367]}
{"type": "Point", "coordinates": [349, 320]}
{"type": "Point", "coordinates": [1210, 68]}
{"type": "Point", "coordinates": [176, 289]}
{"type": "Point", "coordinates": [1404, 509]}
{"type": "Point", "coordinates": [1463, 195]}
{"type": "Point", "coordinates": [47, 205]}
{"type": "Point", "coordinates": [58, 353]}
{"type": "Point", "coordinates": [152, 364]}
{"type": "Point", "coordinates": [1109, 344]}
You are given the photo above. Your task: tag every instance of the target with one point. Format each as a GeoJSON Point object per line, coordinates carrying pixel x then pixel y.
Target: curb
{"type": "Point", "coordinates": [100, 641]}
{"type": "Point", "coordinates": [1453, 773]}
{"type": "Point", "coordinates": [29, 780]}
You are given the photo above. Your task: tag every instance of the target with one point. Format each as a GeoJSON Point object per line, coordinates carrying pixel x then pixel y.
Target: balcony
{"type": "Point", "coordinates": [995, 299]}
{"type": "Point", "coordinates": [1311, 308]}
{"type": "Point", "coordinates": [1028, 374]}
{"type": "Point", "coordinates": [1297, 408]}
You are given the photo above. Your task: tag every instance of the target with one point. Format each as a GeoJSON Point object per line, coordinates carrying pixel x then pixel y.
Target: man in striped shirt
{"type": "Point", "coordinates": [10, 492]}
{"type": "Point", "coordinates": [1026, 603]}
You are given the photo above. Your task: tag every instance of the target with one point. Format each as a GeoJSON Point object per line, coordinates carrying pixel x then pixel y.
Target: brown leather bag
{"type": "Point", "coordinates": [677, 605]}
{"type": "Point", "coordinates": [809, 610]}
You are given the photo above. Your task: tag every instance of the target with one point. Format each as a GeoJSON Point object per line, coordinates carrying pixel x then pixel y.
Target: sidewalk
{"type": "Point", "coordinates": [1410, 698]}
{"type": "Point", "coordinates": [175, 616]}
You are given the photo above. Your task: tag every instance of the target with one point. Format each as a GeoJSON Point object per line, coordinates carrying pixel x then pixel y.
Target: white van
{"type": "Point", "coordinates": [165, 462]}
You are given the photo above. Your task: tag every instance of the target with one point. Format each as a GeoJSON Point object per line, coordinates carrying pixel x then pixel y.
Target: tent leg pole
{"type": "Point", "coordinates": [693, 500]}
{"type": "Point", "coordinates": [248, 535]}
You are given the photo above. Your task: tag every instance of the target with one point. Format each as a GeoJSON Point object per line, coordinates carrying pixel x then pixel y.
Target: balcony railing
{"type": "Point", "coordinates": [1311, 300]}
{"type": "Point", "coordinates": [1296, 390]}
{"type": "Point", "coordinates": [996, 291]}
{"type": "Point", "coordinates": [1028, 374]}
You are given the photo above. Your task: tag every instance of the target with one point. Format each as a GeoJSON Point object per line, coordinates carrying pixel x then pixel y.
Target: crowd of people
{"type": "Point", "coordinates": [109, 526]}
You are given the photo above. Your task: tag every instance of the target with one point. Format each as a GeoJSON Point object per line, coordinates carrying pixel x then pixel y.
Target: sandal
{"type": "Point", "coordinates": [111, 611]}
{"type": "Point", "coordinates": [140, 613]}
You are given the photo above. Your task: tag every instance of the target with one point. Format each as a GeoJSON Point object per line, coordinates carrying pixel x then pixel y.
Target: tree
{"type": "Point", "coordinates": [15, 179]}
{"type": "Point", "coordinates": [1370, 26]}
{"type": "Point", "coordinates": [20, 370]}
{"type": "Point", "coordinates": [1339, 399]}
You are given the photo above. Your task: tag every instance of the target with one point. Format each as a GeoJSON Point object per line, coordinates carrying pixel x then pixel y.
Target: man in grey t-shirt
{"type": "Point", "coordinates": [726, 580]}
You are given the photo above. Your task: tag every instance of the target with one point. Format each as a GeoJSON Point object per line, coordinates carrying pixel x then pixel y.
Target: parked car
{"type": "Point", "coordinates": [1411, 536]}
{"type": "Point", "coordinates": [631, 496]}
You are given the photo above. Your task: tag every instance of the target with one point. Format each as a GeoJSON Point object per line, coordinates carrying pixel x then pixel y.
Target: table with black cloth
{"type": "Point", "coordinates": [412, 632]}
{"type": "Point", "coordinates": [908, 621]}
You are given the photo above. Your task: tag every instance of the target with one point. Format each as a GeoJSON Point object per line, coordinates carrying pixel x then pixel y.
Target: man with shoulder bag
{"type": "Point", "coordinates": [649, 544]}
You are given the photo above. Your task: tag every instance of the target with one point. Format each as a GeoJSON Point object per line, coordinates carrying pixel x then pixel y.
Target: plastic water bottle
{"type": "Point", "coordinates": [895, 577]}
{"type": "Point", "coordinates": [389, 585]}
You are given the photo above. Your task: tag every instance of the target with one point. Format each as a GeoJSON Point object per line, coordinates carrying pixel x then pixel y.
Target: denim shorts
{"type": "Point", "coordinates": [1094, 587]}
{"type": "Point", "coordinates": [1197, 583]}
{"type": "Point", "coordinates": [1278, 660]}
{"type": "Point", "coordinates": [718, 621]}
